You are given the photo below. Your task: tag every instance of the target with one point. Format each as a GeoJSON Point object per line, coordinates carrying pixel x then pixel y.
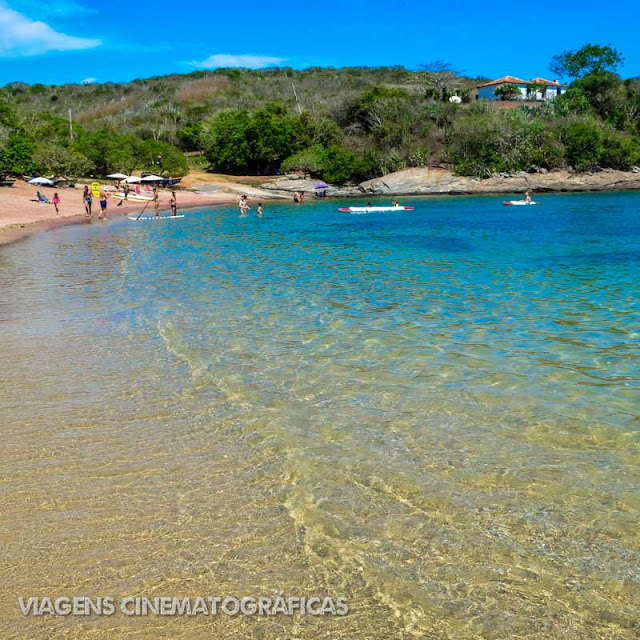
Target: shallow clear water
{"type": "Point", "coordinates": [434, 414]}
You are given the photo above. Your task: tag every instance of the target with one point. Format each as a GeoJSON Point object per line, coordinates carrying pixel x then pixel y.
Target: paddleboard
{"type": "Point", "coordinates": [134, 197]}
{"type": "Point", "coordinates": [367, 209]}
{"type": "Point", "coordinates": [519, 202]}
{"type": "Point", "coordinates": [154, 218]}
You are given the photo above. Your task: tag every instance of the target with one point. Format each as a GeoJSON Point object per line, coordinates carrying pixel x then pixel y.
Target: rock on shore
{"type": "Point", "coordinates": [434, 181]}
{"type": "Point", "coordinates": [425, 180]}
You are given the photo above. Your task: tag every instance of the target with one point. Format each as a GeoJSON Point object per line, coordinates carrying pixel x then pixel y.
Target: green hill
{"type": "Point", "coordinates": [339, 124]}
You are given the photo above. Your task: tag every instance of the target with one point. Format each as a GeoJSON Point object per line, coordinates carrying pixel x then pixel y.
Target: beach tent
{"type": "Point", "coordinates": [117, 176]}
{"type": "Point", "coordinates": [42, 181]}
{"type": "Point", "coordinates": [131, 179]}
{"type": "Point", "coordinates": [152, 178]}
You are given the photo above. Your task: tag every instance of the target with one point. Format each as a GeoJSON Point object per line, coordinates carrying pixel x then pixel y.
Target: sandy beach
{"type": "Point", "coordinates": [22, 214]}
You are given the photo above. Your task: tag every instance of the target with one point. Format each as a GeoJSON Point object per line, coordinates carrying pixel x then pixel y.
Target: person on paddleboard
{"type": "Point", "coordinates": [156, 201]}
{"type": "Point", "coordinates": [527, 197]}
{"type": "Point", "coordinates": [173, 203]}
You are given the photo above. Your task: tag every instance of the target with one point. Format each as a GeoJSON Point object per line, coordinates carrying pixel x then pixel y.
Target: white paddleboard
{"type": "Point", "coordinates": [519, 202]}
{"type": "Point", "coordinates": [154, 218]}
{"type": "Point", "coordinates": [368, 209]}
{"type": "Point", "coordinates": [133, 197]}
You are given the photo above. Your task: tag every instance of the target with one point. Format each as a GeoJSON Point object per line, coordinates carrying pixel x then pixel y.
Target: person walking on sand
{"type": "Point", "coordinates": [156, 201]}
{"type": "Point", "coordinates": [126, 194]}
{"type": "Point", "coordinates": [259, 209]}
{"type": "Point", "coordinates": [56, 202]}
{"type": "Point", "coordinates": [87, 198]}
{"type": "Point", "coordinates": [104, 195]}
{"type": "Point", "coordinates": [173, 203]}
{"type": "Point", "coordinates": [243, 206]}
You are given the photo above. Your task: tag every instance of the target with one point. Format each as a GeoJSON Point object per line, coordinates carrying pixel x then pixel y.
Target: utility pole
{"type": "Point", "coordinates": [296, 96]}
{"type": "Point", "coordinates": [70, 126]}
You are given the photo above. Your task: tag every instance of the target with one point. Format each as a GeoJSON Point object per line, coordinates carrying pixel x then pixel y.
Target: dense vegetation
{"type": "Point", "coordinates": [338, 124]}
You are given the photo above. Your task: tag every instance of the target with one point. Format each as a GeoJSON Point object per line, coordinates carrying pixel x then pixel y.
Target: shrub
{"type": "Point", "coordinates": [583, 141]}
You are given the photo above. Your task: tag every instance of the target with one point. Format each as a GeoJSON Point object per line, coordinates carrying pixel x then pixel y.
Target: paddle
{"type": "Point", "coordinates": [143, 208]}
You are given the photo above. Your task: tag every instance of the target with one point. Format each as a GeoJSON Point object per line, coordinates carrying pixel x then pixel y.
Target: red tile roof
{"type": "Point", "coordinates": [503, 80]}
{"type": "Point", "coordinates": [549, 83]}
{"type": "Point", "coordinates": [515, 80]}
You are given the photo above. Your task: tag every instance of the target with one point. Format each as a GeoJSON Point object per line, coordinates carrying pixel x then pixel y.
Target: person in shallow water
{"type": "Point", "coordinates": [243, 206]}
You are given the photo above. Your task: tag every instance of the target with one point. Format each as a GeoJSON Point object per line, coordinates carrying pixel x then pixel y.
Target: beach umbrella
{"type": "Point", "coordinates": [42, 182]}
{"type": "Point", "coordinates": [131, 179]}
{"type": "Point", "coordinates": [117, 176]}
{"type": "Point", "coordinates": [152, 178]}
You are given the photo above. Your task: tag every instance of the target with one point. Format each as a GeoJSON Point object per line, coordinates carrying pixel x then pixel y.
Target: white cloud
{"type": "Point", "coordinates": [248, 62]}
{"type": "Point", "coordinates": [89, 80]}
{"type": "Point", "coordinates": [21, 36]}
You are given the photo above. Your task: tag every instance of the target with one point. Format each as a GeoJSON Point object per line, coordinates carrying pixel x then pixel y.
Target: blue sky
{"type": "Point", "coordinates": [82, 40]}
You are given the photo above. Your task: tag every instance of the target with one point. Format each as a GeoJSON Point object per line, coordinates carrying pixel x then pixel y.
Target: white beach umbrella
{"type": "Point", "coordinates": [131, 179]}
{"type": "Point", "coordinates": [152, 178]}
{"type": "Point", "coordinates": [42, 182]}
{"type": "Point", "coordinates": [117, 176]}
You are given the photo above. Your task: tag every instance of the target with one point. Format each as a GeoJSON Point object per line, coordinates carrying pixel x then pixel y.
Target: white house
{"type": "Point", "coordinates": [551, 90]}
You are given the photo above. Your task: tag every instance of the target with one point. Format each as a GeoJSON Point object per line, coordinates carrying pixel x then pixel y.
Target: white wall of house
{"type": "Point", "coordinates": [488, 93]}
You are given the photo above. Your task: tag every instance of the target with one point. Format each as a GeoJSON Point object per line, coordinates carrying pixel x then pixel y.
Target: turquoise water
{"type": "Point", "coordinates": [434, 414]}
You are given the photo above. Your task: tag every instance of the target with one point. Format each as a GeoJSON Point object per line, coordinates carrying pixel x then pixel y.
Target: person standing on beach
{"type": "Point", "coordinates": [156, 201]}
{"type": "Point", "coordinates": [87, 199]}
{"type": "Point", "coordinates": [56, 202]}
{"type": "Point", "coordinates": [173, 203]}
{"type": "Point", "coordinates": [244, 206]}
{"type": "Point", "coordinates": [104, 195]}
{"type": "Point", "coordinates": [126, 193]}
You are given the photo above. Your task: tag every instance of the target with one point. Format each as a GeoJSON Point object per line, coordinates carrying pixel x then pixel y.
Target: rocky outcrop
{"type": "Point", "coordinates": [436, 181]}
{"type": "Point", "coordinates": [432, 181]}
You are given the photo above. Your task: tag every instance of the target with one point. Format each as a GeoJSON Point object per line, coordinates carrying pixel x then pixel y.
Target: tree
{"type": "Point", "coordinates": [308, 160]}
{"type": "Point", "coordinates": [109, 151]}
{"type": "Point", "coordinates": [384, 114]}
{"type": "Point", "coordinates": [274, 137]}
{"type": "Point", "coordinates": [17, 156]}
{"type": "Point", "coordinates": [534, 88]}
{"type": "Point", "coordinates": [225, 140]}
{"type": "Point", "coordinates": [51, 158]}
{"type": "Point", "coordinates": [584, 144]}
{"type": "Point", "coordinates": [161, 157]}
{"type": "Point", "coordinates": [606, 94]}
{"type": "Point", "coordinates": [572, 101]}
{"type": "Point", "coordinates": [339, 165]}
{"type": "Point", "coordinates": [237, 140]}
{"type": "Point", "coordinates": [440, 79]}
{"type": "Point", "coordinates": [508, 91]}
{"type": "Point", "coordinates": [592, 58]}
